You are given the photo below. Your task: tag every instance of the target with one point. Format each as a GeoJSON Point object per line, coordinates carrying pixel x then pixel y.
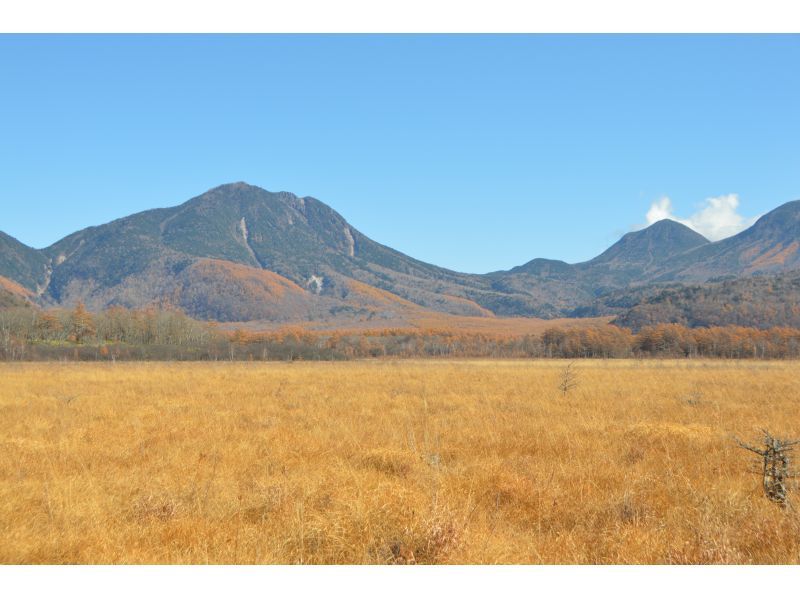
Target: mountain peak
{"type": "Point", "coordinates": [239, 188]}
{"type": "Point", "coordinates": [668, 228]}
{"type": "Point", "coordinates": [650, 246]}
{"type": "Point", "coordinates": [670, 235]}
{"type": "Point", "coordinates": [542, 267]}
{"type": "Point", "coordinates": [237, 185]}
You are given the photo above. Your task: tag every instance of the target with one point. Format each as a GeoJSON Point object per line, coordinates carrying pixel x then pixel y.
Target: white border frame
{"type": "Point", "coordinates": [395, 16]}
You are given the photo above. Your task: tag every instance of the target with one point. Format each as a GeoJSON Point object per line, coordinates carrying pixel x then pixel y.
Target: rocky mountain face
{"type": "Point", "coordinates": [240, 253]}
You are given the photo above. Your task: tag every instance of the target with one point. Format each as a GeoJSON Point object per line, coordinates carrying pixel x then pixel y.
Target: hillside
{"type": "Point", "coordinates": [23, 264]}
{"type": "Point", "coordinates": [760, 301]}
{"type": "Point", "coordinates": [770, 245]}
{"type": "Point", "coordinates": [240, 253]}
{"type": "Point", "coordinates": [311, 245]}
{"type": "Point", "coordinates": [13, 294]}
{"type": "Point", "coordinates": [157, 254]}
{"type": "Point", "coordinates": [639, 255]}
{"type": "Point", "coordinates": [560, 288]}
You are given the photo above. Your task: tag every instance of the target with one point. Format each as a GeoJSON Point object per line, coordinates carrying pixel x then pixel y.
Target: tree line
{"type": "Point", "coordinates": [166, 334]}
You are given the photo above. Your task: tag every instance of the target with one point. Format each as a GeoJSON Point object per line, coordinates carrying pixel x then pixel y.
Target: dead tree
{"type": "Point", "coordinates": [569, 380]}
{"type": "Point", "coordinates": [774, 466]}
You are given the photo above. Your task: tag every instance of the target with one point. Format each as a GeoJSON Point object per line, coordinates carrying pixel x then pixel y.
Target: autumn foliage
{"type": "Point", "coordinates": [158, 334]}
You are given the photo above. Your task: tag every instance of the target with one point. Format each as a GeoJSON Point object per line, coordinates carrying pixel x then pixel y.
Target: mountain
{"type": "Point", "coordinates": [241, 253]}
{"type": "Point", "coordinates": [634, 270]}
{"type": "Point", "coordinates": [23, 264]}
{"type": "Point", "coordinates": [635, 254]}
{"type": "Point", "coordinates": [769, 246]}
{"type": "Point", "coordinates": [639, 254]}
{"type": "Point", "coordinates": [561, 288]}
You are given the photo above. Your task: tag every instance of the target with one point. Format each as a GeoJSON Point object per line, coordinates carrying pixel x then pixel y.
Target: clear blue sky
{"type": "Point", "coordinates": [472, 152]}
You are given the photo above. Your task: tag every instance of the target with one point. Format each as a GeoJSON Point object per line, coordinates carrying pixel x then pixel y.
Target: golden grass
{"type": "Point", "coordinates": [379, 462]}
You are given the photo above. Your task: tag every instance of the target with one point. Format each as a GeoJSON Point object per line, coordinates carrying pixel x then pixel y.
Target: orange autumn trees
{"type": "Point", "coordinates": [81, 324]}
{"type": "Point", "coordinates": [163, 333]}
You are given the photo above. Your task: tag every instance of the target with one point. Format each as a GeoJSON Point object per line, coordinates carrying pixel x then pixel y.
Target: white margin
{"type": "Point", "coordinates": [393, 16]}
{"type": "Point", "coordinates": [399, 582]}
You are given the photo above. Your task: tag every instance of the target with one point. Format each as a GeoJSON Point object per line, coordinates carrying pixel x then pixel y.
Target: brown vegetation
{"type": "Point", "coordinates": [14, 288]}
{"type": "Point", "coordinates": [153, 334]}
{"type": "Point", "coordinates": [392, 462]}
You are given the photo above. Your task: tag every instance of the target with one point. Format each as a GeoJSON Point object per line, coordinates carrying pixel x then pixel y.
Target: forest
{"type": "Point", "coordinates": [30, 334]}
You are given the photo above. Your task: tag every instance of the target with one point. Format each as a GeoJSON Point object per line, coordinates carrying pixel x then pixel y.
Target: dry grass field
{"type": "Point", "coordinates": [392, 462]}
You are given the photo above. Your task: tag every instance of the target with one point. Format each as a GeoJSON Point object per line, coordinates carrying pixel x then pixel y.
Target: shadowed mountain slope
{"type": "Point", "coordinates": [22, 264]}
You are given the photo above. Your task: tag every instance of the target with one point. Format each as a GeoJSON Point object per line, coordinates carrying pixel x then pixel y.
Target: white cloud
{"type": "Point", "coordinates": [716, 219]}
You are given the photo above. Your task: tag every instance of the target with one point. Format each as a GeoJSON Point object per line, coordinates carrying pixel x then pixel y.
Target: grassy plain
{"type": "Point", "coordinates": [392, 462]}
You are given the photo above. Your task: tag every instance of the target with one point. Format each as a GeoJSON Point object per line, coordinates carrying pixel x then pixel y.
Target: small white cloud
{"type": "Point", "coordinates": [716, 219]}
{"type": "Point", "coordinates": [661, 209]}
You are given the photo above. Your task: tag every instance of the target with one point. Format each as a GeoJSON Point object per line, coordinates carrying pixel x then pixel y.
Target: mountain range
{"type": "Point", "coordinates": [240, 253]}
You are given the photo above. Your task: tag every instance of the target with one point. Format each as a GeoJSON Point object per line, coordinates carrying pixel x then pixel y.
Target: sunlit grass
{"type": "Point", "coordinates": [379, 462]}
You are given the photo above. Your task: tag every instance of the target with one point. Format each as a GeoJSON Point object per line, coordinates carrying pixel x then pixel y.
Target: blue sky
{"type": "Point", "coordinates": [472, 152]}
